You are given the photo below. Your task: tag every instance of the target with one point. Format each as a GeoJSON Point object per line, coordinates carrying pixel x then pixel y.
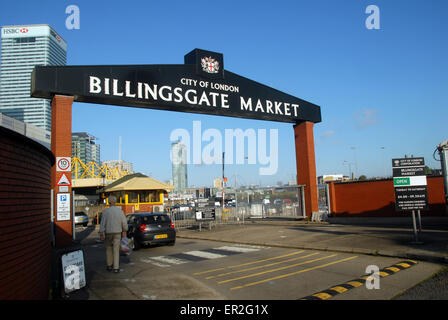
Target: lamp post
{"type": "Point", "coordinates": [356, 161]}
{"type": "Point", "coordinates": [384, 158]}
{"type": "Point", "coordinates": [350, 175]}
{"type": "Point", "coordinates": [223, 183]}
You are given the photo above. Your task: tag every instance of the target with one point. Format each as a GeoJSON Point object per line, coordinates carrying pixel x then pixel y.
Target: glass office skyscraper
{"type": "Point", "coordinates": [179, 162]}
{"type": "Point", "coordinates": [85, 148]}
{"type": "Point", "coordinates": [24, 47]}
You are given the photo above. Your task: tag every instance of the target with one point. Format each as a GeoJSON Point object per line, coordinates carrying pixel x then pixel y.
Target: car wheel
{"type": "Point", "coordinates": [135, 244]}
{"type": "Point", "coordinates": [172, 243]}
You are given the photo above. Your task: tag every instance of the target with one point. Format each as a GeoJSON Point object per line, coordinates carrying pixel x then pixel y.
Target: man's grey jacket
{"type": "Point", "coordinates": [113, 221]}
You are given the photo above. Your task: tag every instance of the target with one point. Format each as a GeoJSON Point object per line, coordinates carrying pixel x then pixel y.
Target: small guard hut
{"type": "Point", "coordinates": [139, 193]}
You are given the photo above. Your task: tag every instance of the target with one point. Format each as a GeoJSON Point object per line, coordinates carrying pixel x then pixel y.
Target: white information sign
{"type": "Point", "coordinates": [63, 206]}
{"type": "Point", "coordinates": [73, 271]}
{"type": "Point", "coordinates": [63, 188]}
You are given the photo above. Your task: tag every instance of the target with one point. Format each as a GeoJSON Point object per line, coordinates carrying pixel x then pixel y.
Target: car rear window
{"type": "Point", "coordinates": [154, 219]}
{"type": "Point", "coordinates": [77, 214]}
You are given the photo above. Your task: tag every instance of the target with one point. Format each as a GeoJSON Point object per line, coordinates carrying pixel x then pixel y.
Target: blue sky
{"type": "Point", "coordinates": [383, 93]}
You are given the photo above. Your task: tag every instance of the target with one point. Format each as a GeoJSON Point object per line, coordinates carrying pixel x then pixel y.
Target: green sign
{"type": "Point", "coordinates": [402, 182]}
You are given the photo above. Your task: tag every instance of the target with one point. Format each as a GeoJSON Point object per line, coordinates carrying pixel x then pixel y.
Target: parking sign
{"type": "Point", "coordinates": [63, 206]}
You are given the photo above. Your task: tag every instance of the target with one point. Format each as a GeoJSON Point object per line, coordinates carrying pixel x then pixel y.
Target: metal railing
{"type": "Point", "coordinates": [290, 208]}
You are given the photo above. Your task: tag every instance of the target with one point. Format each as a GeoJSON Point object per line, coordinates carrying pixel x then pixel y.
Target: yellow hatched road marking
{"type": "Point", "coordinates": [274, 270]}
{"type": "Point", "coordinates": [262, 266]}
{"type": "Point", "coordinates": [293, 273]}
{"type": "Point", "coordinates": [405, 265]}
{"type": "Point", "coordinates": [322, 295]}
{"type": "Point", "coordinates": [248, 263]}
{"type": "Point", "coordinates": [339, 289]}
{"type": "Point", "coordinates": [355, 283]}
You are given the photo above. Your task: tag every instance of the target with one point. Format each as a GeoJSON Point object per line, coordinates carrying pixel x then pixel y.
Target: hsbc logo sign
{"type": "Point", "coordinates": [10, 31]}
{"type": "Point", "coordinates": [15, 31]}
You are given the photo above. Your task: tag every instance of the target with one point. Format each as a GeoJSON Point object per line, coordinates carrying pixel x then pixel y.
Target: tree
{"type": "Point", "coordinates": [362, 178]}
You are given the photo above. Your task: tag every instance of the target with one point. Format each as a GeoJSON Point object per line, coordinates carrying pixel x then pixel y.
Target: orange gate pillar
{"type": "Point", "coordinates": [61, 146]}
{"type": "Point", "coordinates": [306, 165]}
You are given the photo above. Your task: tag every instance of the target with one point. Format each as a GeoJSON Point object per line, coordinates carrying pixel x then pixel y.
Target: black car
{"type": "Point", "coordinates": [150, 228]}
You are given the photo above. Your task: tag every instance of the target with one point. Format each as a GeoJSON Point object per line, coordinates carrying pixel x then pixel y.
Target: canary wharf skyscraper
{"type": "Point", "coordinates": [179, 163]}
{"type": "Point", "coordinates": [24, 47]}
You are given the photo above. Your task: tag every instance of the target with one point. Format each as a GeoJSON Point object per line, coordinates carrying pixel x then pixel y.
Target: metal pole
{"type": "Point", "coordinates": [443, 153]}
{"type": "Point", "coordinates": [303, 201]}
{"type": "Point", "coordinates": [419, 219]}
{"type": "Point", "coordinates": [53, 241]}
{"type": "Point", "coordinates": [415, 228]}
{"type": "Point", "coordinates": [223, 183]}
{"type": "Point", "coordinates": [73, 216]}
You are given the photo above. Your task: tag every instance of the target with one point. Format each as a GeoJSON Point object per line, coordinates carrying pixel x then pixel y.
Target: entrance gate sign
{"type": "Point", "coordinates": [410, 184]}
{"type": "Point", "coordinates": [200, 85]}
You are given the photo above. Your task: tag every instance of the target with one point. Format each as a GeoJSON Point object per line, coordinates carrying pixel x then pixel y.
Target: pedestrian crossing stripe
{"type": "Point", "coordinates": [168, 259]}
{"type": "Point", "coordinates": [238, 249]}
{"type": "Point", "coordinates": [204, 254]}
{"type": "Point", "coordinates": [199, 255]}
{"type": "Point", "coordinates": [341, 288]}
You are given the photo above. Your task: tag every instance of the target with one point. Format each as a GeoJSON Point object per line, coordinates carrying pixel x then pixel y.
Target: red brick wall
{"type": "Point", "coordinates": [25, 248]}
{"type": "Point", "coordinates": [130, 208]}
{"type": "Point", "coordinates": [377, 198]}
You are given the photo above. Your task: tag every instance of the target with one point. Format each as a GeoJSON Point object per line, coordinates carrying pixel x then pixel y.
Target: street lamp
{"type": "Point", "coordinates": [350, 174]}
{"type": "Point", "coordinates": [356, 161]}
{"type": "Point", "coordinates": [384, 158]}
{"type": "Point", "coordinates": [223, 183]}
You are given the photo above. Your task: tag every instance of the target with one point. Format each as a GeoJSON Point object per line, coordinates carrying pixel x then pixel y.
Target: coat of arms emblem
{"type": "Point", "coordinates": [210, 65]}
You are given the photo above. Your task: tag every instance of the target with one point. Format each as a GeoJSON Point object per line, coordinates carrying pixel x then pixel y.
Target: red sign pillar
{"type": "Point", "coordinates": [61, 146]}
{"type": "Point", "coordinates": [306, 165]}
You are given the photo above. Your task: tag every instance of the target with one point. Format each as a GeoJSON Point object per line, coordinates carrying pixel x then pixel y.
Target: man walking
{"type": "Point", "coordinates": [113, 226]}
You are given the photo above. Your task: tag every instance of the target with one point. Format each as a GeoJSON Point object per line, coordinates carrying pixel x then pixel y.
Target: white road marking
{"type": "Point", "coordinates": [251, 246]}
{"type": "Point", "coordinates": [154, 263]}
{"type": "Point", "coordinates": [237, 249]}
{"type": "Point", "coordinates": [204, 254]}
{"type": "Point", "coordinates": [167, 259]}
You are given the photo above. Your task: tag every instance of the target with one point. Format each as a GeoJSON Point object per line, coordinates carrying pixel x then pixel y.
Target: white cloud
{"type": "Point", "coordinates": [366, 117]}
{"type": "Point", "coordinates": [327, 134]}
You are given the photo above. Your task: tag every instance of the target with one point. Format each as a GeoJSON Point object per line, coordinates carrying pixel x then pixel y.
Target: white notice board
{"type": "Point", "coordinates": [73, 271]}
{"type": "Point", "coordinates": [63, 206]}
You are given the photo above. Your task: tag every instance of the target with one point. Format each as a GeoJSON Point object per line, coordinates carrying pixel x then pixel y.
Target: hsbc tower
{"type": "Point", "coordinates": [23, 48]}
